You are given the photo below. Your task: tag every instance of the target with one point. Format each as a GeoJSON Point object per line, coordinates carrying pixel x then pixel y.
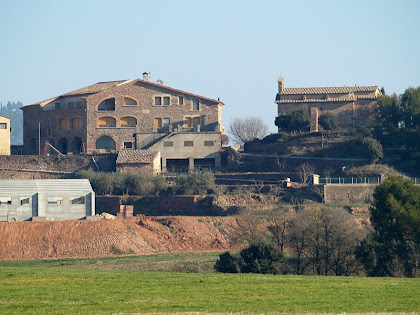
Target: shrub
{"type": "Point", "coordinates": [275, 137]}
{"type": "Point", "coordinates": [228, 263]}
{"type": "Point", "coordinates": [120, 183]}
{"type": "Point", "coordinates": [257, 258]}
{"type": "Point", "coordinates": [196, 183]}
{"type": "Point", "coordinates": [296, 120]}
{"type": "Point", "coordinates": [328, 121]}
{"type": "Point", "coordinates": [373, 149]}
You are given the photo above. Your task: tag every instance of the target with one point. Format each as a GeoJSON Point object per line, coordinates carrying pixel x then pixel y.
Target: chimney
{"type": "Point", "coordinates": [160, 82]}
{"type": "Point", "coordinates": [281, 85]}
{"type": "Point", "coordinates": [146, 76]}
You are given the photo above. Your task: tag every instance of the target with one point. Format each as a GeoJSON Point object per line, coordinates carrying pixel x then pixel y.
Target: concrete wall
{"type": "Point", "coordinates": [42, 205]}
{"type": "Point", "coordinates": [5, 136]}
{"type": "Point", "coordinates": [348, 194]}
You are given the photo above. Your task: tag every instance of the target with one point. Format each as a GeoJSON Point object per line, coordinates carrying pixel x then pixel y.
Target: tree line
{"type": "Point", "coordinates": [328, 241]}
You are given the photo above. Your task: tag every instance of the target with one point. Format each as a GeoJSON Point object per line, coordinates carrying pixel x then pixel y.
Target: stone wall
{"type": "Point", "coordinates": [348, 194]}
{"type": "Point", "coordinates": [43, 167]}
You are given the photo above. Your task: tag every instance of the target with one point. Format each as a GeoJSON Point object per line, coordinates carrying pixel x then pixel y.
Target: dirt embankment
{"type": "Point", "coordinates": [77, 239]}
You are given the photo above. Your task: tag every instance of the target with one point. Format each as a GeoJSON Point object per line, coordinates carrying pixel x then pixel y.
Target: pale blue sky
{"type": "Point", "coordinates": [234, 50]}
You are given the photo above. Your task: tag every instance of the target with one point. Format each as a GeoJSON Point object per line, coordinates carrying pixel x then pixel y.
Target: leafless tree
{"type": "Point", "coordinates": [277, 228]}
{"type": "Point", "coordinates": [325, 239]}
{"type": "Point", "coordinates": [305, 170]}
{"type": "Point", "coordinates": [250, 228]}
{"type": "Point", "coordinates": [281, 163]}
{"type": "Point", "coordinates": [259, 185]}
{"type": "Point", "coordinates": [245, 129]}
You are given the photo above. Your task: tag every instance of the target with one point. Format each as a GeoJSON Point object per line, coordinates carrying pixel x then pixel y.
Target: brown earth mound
{"type": "Point", "coordinates": [78, 239]}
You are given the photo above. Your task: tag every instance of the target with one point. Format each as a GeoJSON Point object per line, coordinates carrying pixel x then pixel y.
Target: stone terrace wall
{"type": "Point", "coordinates": [348, 193]}
{"type": "Point", "coordinates": [43, 167]}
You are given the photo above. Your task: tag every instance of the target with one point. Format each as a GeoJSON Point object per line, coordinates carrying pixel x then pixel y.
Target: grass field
{"type": "Point", "coordinates": [34, 290]}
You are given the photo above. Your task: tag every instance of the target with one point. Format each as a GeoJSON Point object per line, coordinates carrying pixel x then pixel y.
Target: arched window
{"type": "Point", "coordinates": [107, 121]}
{"type": "Point", "coordinates": [63, 124]}
{"type": "Point", "coordinates": [76, 123]}
{"type": "Point", "coordinates": [128, 121]}
{"type": "Point", "coordinates": [105, 143]}
{"type": "Point", "coordinates": [107, 105]}
{"type": "Point", "coordinates": [129, 101]}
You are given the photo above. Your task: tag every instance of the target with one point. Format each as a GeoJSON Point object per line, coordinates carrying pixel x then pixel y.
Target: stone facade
{"type": "Point", "coordinates": [4, 135]}
{"type": "Point", "coordinates": [353, 106]}
{"type": "Point", "coordinates": [110, 117]}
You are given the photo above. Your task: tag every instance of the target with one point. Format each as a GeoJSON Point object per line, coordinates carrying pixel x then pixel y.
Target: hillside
{"type": "Point", "coordinates": [78, 239]}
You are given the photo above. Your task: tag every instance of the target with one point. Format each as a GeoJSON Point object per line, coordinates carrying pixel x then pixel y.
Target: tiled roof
{"type": "Point", "coordinates": [4, 116]}
{"type": "Point", "coordinates": [96, 88]}
{"type": "Point", "coordinates": [103, 86]}
{"type": "Point", "coordinates": [136, 156]}
{"type": "Point", "coordinates": [328, 90]}
{"type": "Point", "coordinates": [313, 100]}
{"type": "Point", "coordinates": [180, 91]}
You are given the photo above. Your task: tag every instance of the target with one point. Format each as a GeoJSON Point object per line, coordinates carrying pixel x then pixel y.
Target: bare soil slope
{"type": "Point", "coordinates": [78, 239]}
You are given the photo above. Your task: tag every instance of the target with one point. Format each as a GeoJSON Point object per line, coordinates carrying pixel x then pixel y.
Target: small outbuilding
{"type": "Point", "coordinates": [139, 162]}
{"type": "Point", "coordinates": [46, 199]}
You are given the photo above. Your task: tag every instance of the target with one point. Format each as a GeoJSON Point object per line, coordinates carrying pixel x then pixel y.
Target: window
{"type": "Point", "coordinates": [196, 104]}
{"type": "Point", "coordinates": [57, 105]}
{"type": "Point", "coordinates": [55, 200]}
{"type": "Point", "coordinates": [76, 123]}
{"type": "Point", "coordinates": [63, 124]}
{"type": "Point", "coordinates": [79, 104]}
{"type": "Point", "coordinates": [77, 200]}
{"type": "Point", "coordinates": [128, 121]}
{"type": "Point", "coordinates": [162, 100]}
{"type": "Point", "coordinates": [162, 122]}
{"type": "Point", "coordinates": [192, 122]}
{"type": "Point", "coordinates": [188, 143]}
{"type": "Point", "coordinates": [24, 201]}
{"type": "Point", "coordinates": [158, 100]}
{"type": "Point", "coordinates": [107, 105]}
{"type": "Point", "coordinates": [166, 100]}
{"type": "Point", "coordinates": [3, 126]}
{"type": "Point", "coordinates": [5, 201]}
{"type": "Point", "coordinates": [209, 143]}
{"type": "Point", "coordinates": [128, 145]}
{"type": "Point", "coordinates": [168, 143]}
{"type": "Point", "coordinates": [71, 104]}
{"type": "Point", "coordinates": [107, 122]}
{"type": "Point", "coordinates": [181, 100]}
{"type": "Point", "coordinates": [158, 122]}
{"type": "Point", "coordinates": [129, 101]}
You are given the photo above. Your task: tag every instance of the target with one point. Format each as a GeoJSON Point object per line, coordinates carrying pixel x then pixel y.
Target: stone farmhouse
{"type": "Point", "coordinates": [4, 135]}
{"type": "Point", "coordinates": [353, 105]}
{"type": "Point", "coordinates": [110, 117]}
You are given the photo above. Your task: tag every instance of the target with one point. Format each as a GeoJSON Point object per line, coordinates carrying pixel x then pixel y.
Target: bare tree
{"type": "Point", "coordinates": [305, 170]}
{"type": "Point", "coordinates": [246, 129]}
{"type": "Point", "coordinates": [250, 228]}
{"type": "Point", "coordinates": [281, 163]}
{"type": "Point", "coordinates": [326, 240]}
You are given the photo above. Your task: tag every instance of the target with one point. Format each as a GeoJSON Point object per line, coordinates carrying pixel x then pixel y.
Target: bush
{"type": "Point", "coordinates": [196, 183]}
{"type": "Point", "coordinates": [228, 263]}
{"type": "Point", "coordinates": [275, 137]}
{"type": "Point", "coordinates": [328, 121]}
{"type": "Point", "coordinates": [296, 120]}
{"type": "Point", "coordinates": [120, 183]}
{"type": "Point", "coordinates": [373, 149]}
{"type": "Point", "coordinates": [257, 258]}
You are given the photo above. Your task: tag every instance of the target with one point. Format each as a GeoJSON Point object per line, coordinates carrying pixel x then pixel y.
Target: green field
{"type": "Point", "coordinates": [34, 290]}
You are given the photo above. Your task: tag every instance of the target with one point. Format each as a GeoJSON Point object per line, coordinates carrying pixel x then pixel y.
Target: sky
{"type": "Point", "coordinates": [232, 50]}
